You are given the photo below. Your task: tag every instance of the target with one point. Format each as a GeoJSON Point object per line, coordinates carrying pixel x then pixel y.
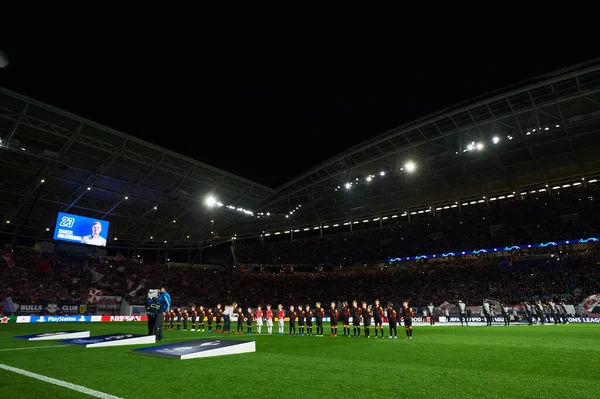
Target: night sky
{"type": "Point", "coordinates": [269, 118]}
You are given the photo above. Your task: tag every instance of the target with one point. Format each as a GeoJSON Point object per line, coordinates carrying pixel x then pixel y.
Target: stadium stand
{"type": "Point", "coordinates": [515, 168]}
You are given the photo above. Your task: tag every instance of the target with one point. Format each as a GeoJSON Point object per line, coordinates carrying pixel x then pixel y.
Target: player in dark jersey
{"type": "Point", "coordinates": [392, 320]}
{"type": "Point", "coordinates": [240, 324]}
{"type": "Point", "coordinates": [366, 315]}
{"type": "Point", "coordinates": [346, 318]}
{"type": "Point", "coordinates": [167, 320]}
{"type": "Point", "coordinates": [378, 316]}
{"type": "Point", "coordinates": [201, 316]}
{"type": "Point", "coordinates": [407, 314]}
{"type": "Point", "coordinates": [309, 315]}
{"type": "Point", "coordinates": [249, 317]}
{"type": "Point", "coordinates": [319, 314]}
{"type": "Point", "coordinates": [356, 314]}
{"type": "Point", "coordinates": [333, 319]}
{"type": "Point", "coordinates": [209, 319]}
{"type": "Point", "coordinates": [179, 316]}
{"type": "Point", "coordinates": [301, 317]}
{"type": "Point", "coordinates": [293, 320]}
{"type": "Point", "coordinates": [218, 317]}
{"type": "Point", "coordinates": [186, 315]}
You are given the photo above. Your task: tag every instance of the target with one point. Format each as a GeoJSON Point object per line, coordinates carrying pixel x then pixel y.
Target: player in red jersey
{"type": "Point", "coordinates": [259, 319]}
{"type": "Point", "coordinates": [193, 314]}
{"type": "Point", "coordinates": [407, 314]}
{"type": "Point", "coordinates": [280, 318]}
{"type": "Point", "coordinates": [333, 319]}
{"type": "Point", "coordinates": [269, 317]}
{"type": "Point", "coordinates": [201, 315]}
{"type": "Point", "coordinates": [172, 319]}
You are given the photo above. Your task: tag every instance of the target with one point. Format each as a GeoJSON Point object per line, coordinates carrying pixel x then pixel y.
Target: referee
{"type": "Point", "coordinates": [164, 305]}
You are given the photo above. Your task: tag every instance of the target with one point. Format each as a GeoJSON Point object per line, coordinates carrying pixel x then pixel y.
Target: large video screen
{"type": "Point", "coordinates": [81, 229]}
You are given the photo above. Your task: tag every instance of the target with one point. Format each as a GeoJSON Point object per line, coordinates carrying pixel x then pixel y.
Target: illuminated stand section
{"type": "Point", "coordinates": [71, 334]}
{"type": "Point", "coordinates": [505, 249]}
{"type": "Point", "coordinates": [119, 339]}
{"type": "Point", "coordinates": [199, 348]}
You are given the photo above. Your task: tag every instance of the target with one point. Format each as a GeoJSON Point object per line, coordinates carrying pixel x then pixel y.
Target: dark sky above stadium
{"type": "Point", "coordinates": [269, 116]}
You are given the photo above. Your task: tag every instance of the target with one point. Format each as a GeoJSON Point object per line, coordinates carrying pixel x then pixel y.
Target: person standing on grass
{"type": "Point", "coordinates": [462, 315]}
{"type": "Point", "coordinates": [333, 319]}
{"type": "Point", "coordinates": [319, 315]}
{"type": "Point", "coordinates": [259, 319]}
{"type": "Point", "coordinates": [407, 314]}
{"type": "Point", "coordinates": [164, 302]}
{"type": "Point", "coordinates": [378, 317]}
{"type": "Point", "coordinates": [280, 318]}
{"type": "Point", "coordinates": [269, 319]}
{"type": "Point", "coordinates": [431, 309]}
{"type": "Point", "coordinates": [392, 320]}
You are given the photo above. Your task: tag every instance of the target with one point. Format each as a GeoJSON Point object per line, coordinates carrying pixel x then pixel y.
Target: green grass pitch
{"type": "Point", "coordinates": [440, 362]}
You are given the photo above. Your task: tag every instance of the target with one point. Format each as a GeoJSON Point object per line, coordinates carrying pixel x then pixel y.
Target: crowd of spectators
{"type": "Point", "coordinates": [552, 215]}
{"type": "Point", "coordinates": [348, 266]}
{"type": "Point", "coordinates": [570, 277]}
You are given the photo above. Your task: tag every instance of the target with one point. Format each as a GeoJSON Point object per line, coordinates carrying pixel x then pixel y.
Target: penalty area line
{"type": "Point", "coordinates": [60, 383]}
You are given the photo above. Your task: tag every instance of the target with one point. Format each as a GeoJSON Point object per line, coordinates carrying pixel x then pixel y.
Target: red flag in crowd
{"type": "Point", "coordinates": [44, 265]}
{"type": "Point", "coordinates": [8, 258]}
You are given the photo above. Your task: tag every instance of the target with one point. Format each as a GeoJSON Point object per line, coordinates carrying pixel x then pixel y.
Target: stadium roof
{"type": "Point", "coordinates": [54, 161]}
{"type": "Point", "coordinates": [540, 132]}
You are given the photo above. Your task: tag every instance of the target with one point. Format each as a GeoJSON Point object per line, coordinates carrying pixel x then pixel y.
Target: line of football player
{"type": "Point", "coordinates": [300, 319]}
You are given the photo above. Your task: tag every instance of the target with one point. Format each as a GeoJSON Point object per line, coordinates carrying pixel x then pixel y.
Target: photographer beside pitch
{"type": "Point", "coordinates": [164, 305]}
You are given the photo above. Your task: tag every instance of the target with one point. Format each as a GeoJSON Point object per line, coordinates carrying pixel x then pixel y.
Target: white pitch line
{"type": "Point", "coordinates": [31, 347]}
{"type": "Point", "coordinates": [60, 383]}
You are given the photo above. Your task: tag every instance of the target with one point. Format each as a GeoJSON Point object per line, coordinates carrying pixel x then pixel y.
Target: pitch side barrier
{"type": "Point", "coordinates": [112, 319]}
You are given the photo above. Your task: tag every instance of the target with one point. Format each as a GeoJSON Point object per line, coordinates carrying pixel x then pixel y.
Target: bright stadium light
{"type": "Point", "coordinates": [479, 146]}
{"type": "Point", "coordinates": [496, 139]}
{"type": "Point", "coordinates": [348, 185]}
{"type": "Point", "coordinates": [210, 201]}
{"type": "Point", "coordinates": [410, 166]}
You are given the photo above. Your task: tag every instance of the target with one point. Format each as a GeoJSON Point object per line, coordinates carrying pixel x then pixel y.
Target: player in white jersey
{"type": "Point", "coordinates": [280, 318]}
{"type": "Point", "coordinates": [259, 319]}
{"type": "Point", "coordinates": [269, 317]}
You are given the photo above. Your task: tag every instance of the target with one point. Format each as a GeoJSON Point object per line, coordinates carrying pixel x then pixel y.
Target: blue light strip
{"type": "Point", "coordinates": [486, 250]}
